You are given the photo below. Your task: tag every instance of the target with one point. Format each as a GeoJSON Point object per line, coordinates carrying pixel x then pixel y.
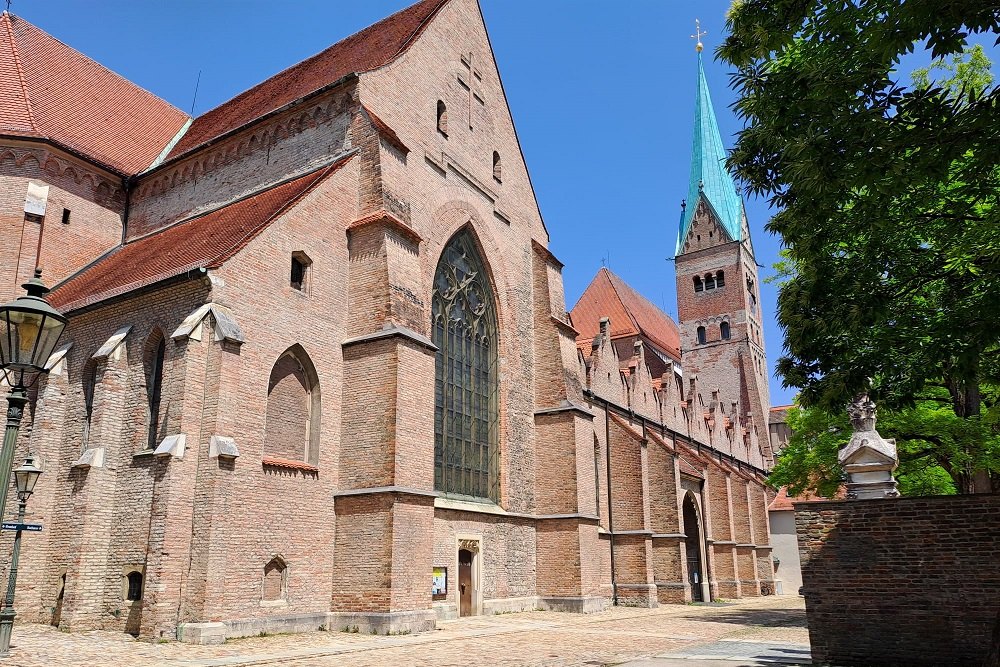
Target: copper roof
{"type": "Point", "coordinates": [373, 47]}
{"type": "Point", "coordinates": [631, 314]}
{"type": "Point", "coordinates": [205, 241]}
{"type": "Point", "coordinates": [50, 91]}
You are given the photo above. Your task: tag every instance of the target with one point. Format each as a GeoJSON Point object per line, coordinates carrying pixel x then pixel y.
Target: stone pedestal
{"type": "Point", "coordinates": [868, 458]}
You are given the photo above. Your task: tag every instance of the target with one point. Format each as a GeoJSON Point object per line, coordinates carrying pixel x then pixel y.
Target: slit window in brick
{"type": "Point", "coordinates": [299, 277]}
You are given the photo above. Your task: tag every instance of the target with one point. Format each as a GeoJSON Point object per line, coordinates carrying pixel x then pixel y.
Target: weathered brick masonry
{"type": "Point", "coordinates": [246, 410]}
{"type": "Point", "coordinates": [907, 581]}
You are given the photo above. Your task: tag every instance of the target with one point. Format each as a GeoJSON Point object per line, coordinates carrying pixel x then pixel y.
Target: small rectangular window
{"type": "Point", "coordinates": [299, 276]}
{"type": "Point", "coordinates": [65, 218]}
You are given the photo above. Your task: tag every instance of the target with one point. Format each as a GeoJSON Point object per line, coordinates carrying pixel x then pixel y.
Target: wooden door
{"type": "Point", "coordinates": [465, 607]}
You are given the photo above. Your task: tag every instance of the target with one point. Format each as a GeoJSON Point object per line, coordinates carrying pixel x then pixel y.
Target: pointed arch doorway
{"type": "Point", "coordinates": [694, 552]}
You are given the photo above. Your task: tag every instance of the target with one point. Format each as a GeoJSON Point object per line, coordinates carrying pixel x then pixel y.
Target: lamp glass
{"type": "Point", "coordinates": [28, 334]}
{"type": "Point", "coordinates": [26, 476]}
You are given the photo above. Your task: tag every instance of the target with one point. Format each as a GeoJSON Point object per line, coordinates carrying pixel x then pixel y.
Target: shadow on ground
{"type": "Point", "coordinates": [768, 618]}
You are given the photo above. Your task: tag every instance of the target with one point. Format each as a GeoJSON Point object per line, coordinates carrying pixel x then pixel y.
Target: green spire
{"type": "Point", "coordinates": [709, 178]}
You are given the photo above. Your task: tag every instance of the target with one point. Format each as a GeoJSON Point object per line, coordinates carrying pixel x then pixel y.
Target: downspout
{"type": "Point", "coordinates": [611, 525]}
{"type": "Point", "coordinates": [127, 184]}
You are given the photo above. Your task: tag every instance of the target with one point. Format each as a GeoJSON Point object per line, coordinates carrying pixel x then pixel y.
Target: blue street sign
{"type": "Point", "coordinates": [31, 527]}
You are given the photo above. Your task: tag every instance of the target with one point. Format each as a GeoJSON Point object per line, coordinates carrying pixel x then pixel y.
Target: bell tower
{"type": "Point", "coordinates": [718, 292]}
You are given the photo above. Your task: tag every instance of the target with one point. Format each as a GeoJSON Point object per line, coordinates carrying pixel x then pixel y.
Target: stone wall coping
{"type": "Point", "coordinates": [375, 490]}
{"type": "Point", "coordinates": [987, 498]}
{"type": "Point", "coordinates": [390, 331]}
{"type": "Point", "coordinates": [728, 543]}
{"type": "Point", "coordinates": [57, 356]}
{"type": "Point", "coordinates": [456, 505]}
{"type": "Point", "coordinates": [631, 532]}
{"type": "Point", "coordinates": [109, 346]}
{"type": "Point", "coordinates": [566, 406]}
{"type": "Point", "coordinates": [675, 536]}
{"type": "Point", "coordinates": [226, 326]}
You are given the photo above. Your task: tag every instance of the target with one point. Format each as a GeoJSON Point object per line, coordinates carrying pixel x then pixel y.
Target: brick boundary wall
{"type": "Point", "coordinates": [909, 581]}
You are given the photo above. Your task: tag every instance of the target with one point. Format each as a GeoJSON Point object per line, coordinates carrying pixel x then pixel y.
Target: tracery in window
{"type": "Point", "coordinates": [466, 382]}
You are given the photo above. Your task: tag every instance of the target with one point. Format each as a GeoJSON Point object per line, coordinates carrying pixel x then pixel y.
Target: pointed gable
{"type": "Point", "coordinates": [631, 314]}
{"type": "Point", "coordinates": [205, 241]}
{"type": "Point", "coordinates": [50, 91]}
{"type": "Point", "coordinates": [373, 47]}
{"type": "Point", "coordinates": [710, 181]}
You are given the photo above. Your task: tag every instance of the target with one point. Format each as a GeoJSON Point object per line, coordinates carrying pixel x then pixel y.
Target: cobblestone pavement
{"type": "Point", "coordinates": [532, 638]}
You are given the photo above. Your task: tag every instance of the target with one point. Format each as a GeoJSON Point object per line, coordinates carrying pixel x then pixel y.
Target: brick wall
{"type": "Point", "coordinates": [910, 581]}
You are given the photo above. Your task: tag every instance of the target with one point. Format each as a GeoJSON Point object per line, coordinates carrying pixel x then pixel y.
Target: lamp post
{"type": "Point", "coordinates": [29, 331]}
{"type": "Point", "coordinates": [25, 478]}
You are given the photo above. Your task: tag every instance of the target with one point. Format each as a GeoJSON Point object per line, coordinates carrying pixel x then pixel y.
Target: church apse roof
{"type": "Point", "coordinates": [205, 241]}
{"type": "Point", "coordinates": [51, 91]}
{"type": "Point", "coordinates": [710, 180]}
{"type": "Point", "coordinates": [631, 314]}
{"type": "Point", "coordinates": [376, 45]}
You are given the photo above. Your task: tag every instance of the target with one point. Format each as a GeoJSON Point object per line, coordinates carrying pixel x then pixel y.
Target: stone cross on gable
{"type": "Point", "coordinates": [472, 80]}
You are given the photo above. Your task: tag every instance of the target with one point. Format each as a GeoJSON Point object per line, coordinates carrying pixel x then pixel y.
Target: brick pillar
{"type": "Point", "coordinates": [567, 543]}
{"type": "Point", "coordinates": [173, 504]}
{"type": "Point", "coordinates": [89, 514]}
{"type": "Point", "coordinates": [762, 537]}
{"type": "Point", "coordinates": [567, 547]}
{"type": "Point", "coordinates": [633, 537]}
{"type": "Point", "coordinates": [666, 521]}
{"type": "Point", "coordinates": [719, 524]}
{"type": "Point", "coordinates": [745, 547]}
{"type": "Point", "coordinates": [385, 498]}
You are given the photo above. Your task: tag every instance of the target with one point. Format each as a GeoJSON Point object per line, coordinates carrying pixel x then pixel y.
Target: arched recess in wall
{"type": "Point", "coordinates": [275, 582]}
{"type": "Point", "coordinates": [292, 427]}
{"type": "Point", "coordinates": [442, 118]}
{"type": "Point", "coordinates": [497, 167]}
{"type": "Point", "coordinates": [694, 531]}
{"type": "Point", "coordinates": [157, 410]}
{"type": "Point", "coordinates": [466, 376]}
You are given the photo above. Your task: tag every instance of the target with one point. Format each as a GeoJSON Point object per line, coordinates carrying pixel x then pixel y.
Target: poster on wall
{"type": "Point", "coordinates": [439, 583]}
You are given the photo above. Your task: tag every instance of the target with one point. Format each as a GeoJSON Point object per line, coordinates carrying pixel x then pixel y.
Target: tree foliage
{"type": "Point", "coordinates": [936, 447]}
{"type": "Point", "coordinates": [887, 193]}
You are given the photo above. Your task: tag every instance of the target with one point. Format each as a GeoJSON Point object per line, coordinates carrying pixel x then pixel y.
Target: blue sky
{"type": "Point", "coordinates": [602, 95]}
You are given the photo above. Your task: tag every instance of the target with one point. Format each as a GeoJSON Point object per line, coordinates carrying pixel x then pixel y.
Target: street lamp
{"type": "Point", "coordinates": [25, 478]}
{"type": "Point", "coordinates": [29, 331]}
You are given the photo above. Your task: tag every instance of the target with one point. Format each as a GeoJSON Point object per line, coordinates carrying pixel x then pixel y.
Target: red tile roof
{"type": "Point", "coordinates": [631, 314]}
{"type": "Point", "coordinates": [202, 242]}
{"type": "Point", "coordinates": [783, 502]}
{"type": "Point", "coordinates": [373, 47]}
{"type": "Point", "coordinates": [48, 90]}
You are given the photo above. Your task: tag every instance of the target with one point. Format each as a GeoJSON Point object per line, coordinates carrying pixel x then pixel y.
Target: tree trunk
{"type": "Point", "coordinates": [967, 404]}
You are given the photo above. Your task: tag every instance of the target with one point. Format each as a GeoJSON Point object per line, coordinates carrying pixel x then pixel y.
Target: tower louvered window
{"type": "Point", "coordinates": [466, 448]}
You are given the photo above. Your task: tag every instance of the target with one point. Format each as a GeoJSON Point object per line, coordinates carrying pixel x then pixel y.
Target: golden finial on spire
{"type": "Point", "coordinates": [698, 35]}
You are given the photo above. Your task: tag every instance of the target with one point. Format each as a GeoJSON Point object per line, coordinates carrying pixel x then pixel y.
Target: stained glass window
{"type": "Point", "coordinates": [464, 328]}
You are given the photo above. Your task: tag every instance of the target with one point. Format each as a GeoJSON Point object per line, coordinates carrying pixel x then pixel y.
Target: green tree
{"type": "Point", "coordinates": [887, 194]}
{"type": "Point", "coordinates": [936, 447]}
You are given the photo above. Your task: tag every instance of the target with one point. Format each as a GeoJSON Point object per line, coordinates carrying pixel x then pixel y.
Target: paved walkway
{"type": "Point", "coordinates": [673, 635]}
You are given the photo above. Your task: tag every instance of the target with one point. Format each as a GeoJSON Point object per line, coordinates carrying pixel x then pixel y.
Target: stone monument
{"type": "Point", "coordinates": [868, 458]}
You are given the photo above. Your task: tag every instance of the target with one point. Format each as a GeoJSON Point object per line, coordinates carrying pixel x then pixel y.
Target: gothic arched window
{"type": "Point", "coordinates": [466, 382]}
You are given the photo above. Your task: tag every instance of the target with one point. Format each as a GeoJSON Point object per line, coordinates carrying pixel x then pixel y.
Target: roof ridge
{"type": "Point", "coordinates": [618, 296]}
{"type": "Point", "coordinates": [20, 70]}
{"type": "Point", "coordinates": [102, 66]}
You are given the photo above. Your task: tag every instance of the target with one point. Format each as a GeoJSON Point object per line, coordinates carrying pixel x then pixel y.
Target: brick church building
{"type": "Point", "coordinates": [319, 371]}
